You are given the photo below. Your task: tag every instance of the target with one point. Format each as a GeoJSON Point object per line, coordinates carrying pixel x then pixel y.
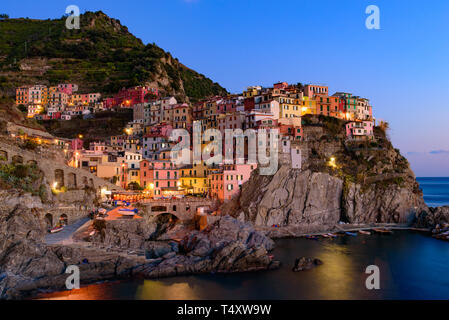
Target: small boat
{"type": "Point", "coordinates": [128, 212]}
{"type": "Point", "coordinates": [384, 231]}
{"type": "Point", "coordinates": [365, 232]}
{"type": "Point", "coordinates": [352, 234]}
{"type": "Point", "coordinates": [332, 235]}
{"type": "Point", "coordinates": [311, 237]}
{"type": "Point", "coordinates": [57, 229]}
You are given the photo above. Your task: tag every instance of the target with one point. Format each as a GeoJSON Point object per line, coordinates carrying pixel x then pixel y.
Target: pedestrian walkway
{"type": "Point", "coordinates": [65, 236]}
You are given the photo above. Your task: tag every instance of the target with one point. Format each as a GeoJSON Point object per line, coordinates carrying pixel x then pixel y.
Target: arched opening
{"type": "Point", "coordinates": [3, 155]}
{"type": "Point", "coordinates": [165, 221]}
{"type": "Point", "coordinates": [32, 163]}
{"type": "Point", "coordinates": [63, 220]}
{"type": "Point", "coordinates": [48, 221]}
{"type": "Point", "coordinates": [91, 183]}
{"type": "Point", "coordinates": [174, 208]}
{"type": "Point", "coordinates": [59, 179]}
{"type": "Point", "coordinates": [71, 183]}
{"type": "Point", "coordinates": [158, 209]}
{"type": "Point", "coordinates": [17, 159]}
{"type": "Point", "coordinates": [84, 181]}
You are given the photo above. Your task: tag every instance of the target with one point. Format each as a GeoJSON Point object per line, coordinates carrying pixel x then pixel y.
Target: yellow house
{"type": "Point", "coordinates": [193, 178]}
{"type": "Point", "coordinates": [289, 107]}
{"type": "Point", "coordinates": [308, 106]}
{"type": "Point", "coordinates": [133, 176]}
{"type": "Point", "coordinates": [194, 185]}
{"type": "Point", "coordinates": [251, 91]}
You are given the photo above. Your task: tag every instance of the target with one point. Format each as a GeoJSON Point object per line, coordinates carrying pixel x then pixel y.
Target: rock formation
{"type": "Point", "coordinates": [226, 246]}
{"type": "Point", "coordinates": [370, 182]}
{"type": "Point", "coordinates": [27, 264]}
{"type": "Point", "coordinates": [433, 218]}
{"type": "Point", "coordinates": [303, 263]}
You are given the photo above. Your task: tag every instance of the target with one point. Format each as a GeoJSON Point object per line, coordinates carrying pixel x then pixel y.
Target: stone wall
{"type": "Point", "coordinates": [56, 171]}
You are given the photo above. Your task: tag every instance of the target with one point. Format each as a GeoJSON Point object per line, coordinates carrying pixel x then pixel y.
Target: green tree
{"type": "Point", "coordinates": [134, 186]}
{"type": "Point", "coordinates": [23, 108]}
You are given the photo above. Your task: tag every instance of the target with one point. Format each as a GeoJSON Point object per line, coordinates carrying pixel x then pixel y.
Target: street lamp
{"type": "Point", "coordinates": [332, 162]}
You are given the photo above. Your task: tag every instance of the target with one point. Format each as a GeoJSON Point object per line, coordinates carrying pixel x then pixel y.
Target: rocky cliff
{"type": "Point", "coordinates": [367, 182]}
{"type": "Point", "coordinates": [28, 265]}
{"type": "Point", "coordinates": [227, 245]}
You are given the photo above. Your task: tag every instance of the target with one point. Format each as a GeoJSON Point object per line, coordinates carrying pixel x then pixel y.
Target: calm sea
{"type": "Point", "coordinates": [436, 191]}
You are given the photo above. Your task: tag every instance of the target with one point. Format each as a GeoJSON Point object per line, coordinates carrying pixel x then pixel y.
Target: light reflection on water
{"type": "Point", "coordinates": [413, 266]}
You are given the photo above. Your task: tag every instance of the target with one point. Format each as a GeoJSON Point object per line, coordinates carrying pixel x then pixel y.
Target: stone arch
{"type": "Point", "coordinates": [59, 178]}
{"type": "Point", "coordinates": [3, 155]}
{"type": "Point", "coordinates": [71, 180]}
{"type": "Point", "coordinates": [48, 221]}
{"type": "Point", "coordinates": [63, 220]}
{"type": "Point", "coordinates": [32, 163]}
{"type": "Point", "coordinates": [17, 159]}
{"type": "Point", "coordinates": [167, 217]}
{"type": "Point", "coordinates": [159, 209]}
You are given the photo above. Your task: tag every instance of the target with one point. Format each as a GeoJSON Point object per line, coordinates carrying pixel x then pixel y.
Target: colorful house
{"type": "Point", "coordinates": [360, 129]}
{"type": "Point", "coordinates": [226, 183]}
{"type": "Point", "coordinates": [193, 179]}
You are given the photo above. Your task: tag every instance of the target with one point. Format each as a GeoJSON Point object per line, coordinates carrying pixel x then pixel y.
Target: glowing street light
{"type": "Point", "coordinates": [55, 185]}
{"type": "Point", "coordinates": [332, 162]}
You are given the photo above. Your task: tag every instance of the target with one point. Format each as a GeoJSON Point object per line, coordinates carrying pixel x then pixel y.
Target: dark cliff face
{"type": "Point", "coordinates": [370, 183]}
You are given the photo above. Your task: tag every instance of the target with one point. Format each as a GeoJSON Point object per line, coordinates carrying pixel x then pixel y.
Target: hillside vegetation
{"type": "Point", "coordinates": [101, 56]}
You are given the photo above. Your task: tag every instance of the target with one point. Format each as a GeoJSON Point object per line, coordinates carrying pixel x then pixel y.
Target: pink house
{"type": "Point", "coordinates": [280, 85]}
{"type": "Point", "coordinates": [227, 182]}
{"type": "Point", "coordinates": [357, 129]}
{"type": "Point", "coordinates": [68, 88]}
{"type": "Point", "coordinates": [77, 144]}
{"type": "Point", "coordinates": [226, 105]}
{"type": "Point", "coordinates": [166, 178]}
{"type": "Point", "coordinates": [231, 121]}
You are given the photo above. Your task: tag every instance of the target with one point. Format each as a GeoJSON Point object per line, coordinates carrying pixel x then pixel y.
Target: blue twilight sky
{"type": "Point", "coordinates": [403, 68]}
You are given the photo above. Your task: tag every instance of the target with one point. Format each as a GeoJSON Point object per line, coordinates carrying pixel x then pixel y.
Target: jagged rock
{"type": "Point", "coordinates": [291, 197]}
{"type": "Point", "coordinates": [433, 217]}
{"type": "Point", "coordinates": [28, 264]}
{"type": "Point", "coordinates": [123, 234]}
{"type": "Point", "coordinates": [370, 182]}
{"type": "Point", "coordinates": [158, 249]}
{"type": "Point", "coordinates": [383, 204]}
{"type": "Point", "coordinates": [311, 201]}
{"type": "Point", "coordinates": [227, 246]}
{"type": "Point", "coordinates": [304, 263]}
{"type": "Point", "coordinates": [169, 255]}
